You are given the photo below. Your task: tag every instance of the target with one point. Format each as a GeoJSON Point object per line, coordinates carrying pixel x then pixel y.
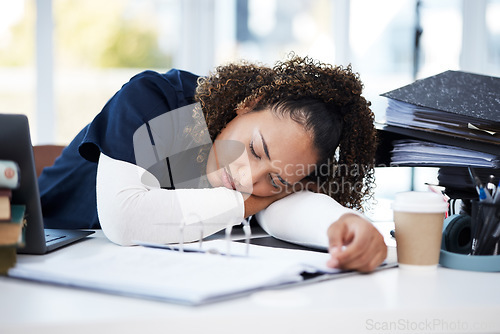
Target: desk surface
{"type": "Point", "coordinates": [388, 301]}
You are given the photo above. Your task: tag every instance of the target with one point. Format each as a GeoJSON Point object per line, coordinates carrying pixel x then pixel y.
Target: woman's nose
{"type": "Point", "coordinates": [245, 177]}
{"type": "Point", "coordinates": [251, 174]}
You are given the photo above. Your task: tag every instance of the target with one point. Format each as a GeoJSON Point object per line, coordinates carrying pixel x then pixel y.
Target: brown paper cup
{"type": "Point", "coordinates": [418, 220]}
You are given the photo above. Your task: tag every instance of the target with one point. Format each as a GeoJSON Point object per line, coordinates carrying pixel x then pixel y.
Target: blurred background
{"type": "Point", "coordinates": [61, 60]}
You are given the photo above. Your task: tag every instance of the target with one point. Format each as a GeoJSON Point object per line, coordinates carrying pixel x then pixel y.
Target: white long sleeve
{"type": "Point", "coordinates": [302, 218]}
{"type": "Point", "coordinates": [131, 211]}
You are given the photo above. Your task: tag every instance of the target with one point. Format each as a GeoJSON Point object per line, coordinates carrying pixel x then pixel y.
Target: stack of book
{"type": "Point", "coordinates": [11, 216]}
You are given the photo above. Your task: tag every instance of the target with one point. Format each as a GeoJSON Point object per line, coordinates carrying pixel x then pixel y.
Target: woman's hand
{"type": "Point", "coordinates": [364, 249]}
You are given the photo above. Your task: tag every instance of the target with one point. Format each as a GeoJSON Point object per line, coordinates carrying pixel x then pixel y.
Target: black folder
{"type": "Point", "coordinates": [453, 108]}
{"type": "Point", "coordinates": [461, 93]}
{"type": "Point", "coordinates": [452, 103]}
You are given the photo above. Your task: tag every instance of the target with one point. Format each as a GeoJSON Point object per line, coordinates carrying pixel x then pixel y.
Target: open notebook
{"type": "Point", "coordinates": [189, 277]}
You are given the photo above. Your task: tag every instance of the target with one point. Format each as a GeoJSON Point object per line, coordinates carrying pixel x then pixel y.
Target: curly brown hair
{"type": "Point", "coordinates": [350, 166]}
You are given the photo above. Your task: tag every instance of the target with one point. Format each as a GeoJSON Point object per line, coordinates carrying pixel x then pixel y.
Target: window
{"type": "Point", "coordinates": [17, 62]}
{"type": "Point", "coordinates": [267, 30]}
{"type": "Point", "coordinates": [493, 37]}
{"type": "Point", "coordinates": [98, 45]}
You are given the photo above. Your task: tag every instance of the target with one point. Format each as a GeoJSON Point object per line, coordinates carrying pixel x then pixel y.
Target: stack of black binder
{"type": "Point", "coordinates": [452, 120]}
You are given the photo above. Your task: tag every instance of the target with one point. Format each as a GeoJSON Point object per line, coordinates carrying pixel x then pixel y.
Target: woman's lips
{"type": "Point", "coordinates": [227, 179]}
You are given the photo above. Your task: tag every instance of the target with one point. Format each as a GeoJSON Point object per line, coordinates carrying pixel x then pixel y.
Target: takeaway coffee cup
{"type": "Point", "coordinates": [418, 220]}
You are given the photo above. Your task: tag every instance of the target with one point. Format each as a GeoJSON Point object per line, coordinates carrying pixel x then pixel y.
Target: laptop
{"type": "Point", "coordinates": [15, 145]}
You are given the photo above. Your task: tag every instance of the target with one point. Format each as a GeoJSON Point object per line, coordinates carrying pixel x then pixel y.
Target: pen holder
{"type": "Point", "coordinates": [462, 257]}
{"type": "Point", "coordinates": [485, 228]}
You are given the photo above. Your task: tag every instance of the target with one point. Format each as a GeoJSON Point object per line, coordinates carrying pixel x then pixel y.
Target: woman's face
{"type": "Point", "coordinates": [260, 153]}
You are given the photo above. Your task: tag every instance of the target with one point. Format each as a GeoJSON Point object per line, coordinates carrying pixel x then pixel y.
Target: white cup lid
{"type": "Point", "coordinates": [419, 201]}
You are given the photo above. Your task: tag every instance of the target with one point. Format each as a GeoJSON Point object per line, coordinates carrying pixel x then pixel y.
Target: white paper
{"type": "Point", "coordinates": [191, 278]}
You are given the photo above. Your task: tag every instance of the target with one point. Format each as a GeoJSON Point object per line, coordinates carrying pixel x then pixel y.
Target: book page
{"type": "Point", "coordinates": [190, 278]}
{"type": "Point", "coordinates": [309, 260]}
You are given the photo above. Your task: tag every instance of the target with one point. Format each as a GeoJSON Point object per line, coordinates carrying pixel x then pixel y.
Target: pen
{"type": "Point", "coordinates": [489, 233]}
{"type": "Point", "coordinates": [482, 225]}
{"type": "Point", "coordinates": [474, 178]}
{"type": "Point", "coordinates": [484, 194]}
{"type": "Point", "coordinates": [489, 240]}
{"type": "Point", "coordinates": [496, 197]}
{"type": "Point", "coordinates": [495, 237]}
{"type": "Point", "coordinates": [490, 186]}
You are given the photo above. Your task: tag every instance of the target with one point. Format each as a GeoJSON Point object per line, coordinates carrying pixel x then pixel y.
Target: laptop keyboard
{"type": "Point", "coordinates": [53, 237]}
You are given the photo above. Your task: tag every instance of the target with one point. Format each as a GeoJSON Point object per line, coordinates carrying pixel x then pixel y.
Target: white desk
{"type": "Point", "coordinates": [389, 301]}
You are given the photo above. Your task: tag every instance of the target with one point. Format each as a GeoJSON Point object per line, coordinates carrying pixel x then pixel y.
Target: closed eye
{"type": "Point", "coordinates": [273, 183]}
{"type": "Point", "coordinates": [253, 151]}
{"type": "Point", "coordinates": [282, 180]}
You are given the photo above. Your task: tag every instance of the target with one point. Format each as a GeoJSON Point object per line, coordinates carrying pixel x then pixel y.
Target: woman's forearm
{"type": "Point", "coordinates": [302, 218]}
{"type": "Point", "coordinates": [130, 210]}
